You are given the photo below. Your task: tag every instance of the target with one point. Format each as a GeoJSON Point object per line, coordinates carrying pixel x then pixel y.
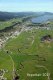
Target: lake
{"type": "Point", "coordinates": [42, 19]}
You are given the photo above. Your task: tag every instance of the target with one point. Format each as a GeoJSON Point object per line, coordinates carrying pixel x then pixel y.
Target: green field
{"type": "Point", "coordinates": [26, 54]}
{"type": "Point", "coordinates": [4, 24]}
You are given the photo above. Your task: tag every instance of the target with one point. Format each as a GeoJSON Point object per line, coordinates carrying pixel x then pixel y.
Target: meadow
{"type": "Point", "coordinates": [30, 55]}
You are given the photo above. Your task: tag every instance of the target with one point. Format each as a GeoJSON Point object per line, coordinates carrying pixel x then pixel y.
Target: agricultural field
{"type": "Point", "coordinates": [30, 55]}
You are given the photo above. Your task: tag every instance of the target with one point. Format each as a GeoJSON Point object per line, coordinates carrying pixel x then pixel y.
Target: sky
{"type": "Point", "coordinates": [26, 5]}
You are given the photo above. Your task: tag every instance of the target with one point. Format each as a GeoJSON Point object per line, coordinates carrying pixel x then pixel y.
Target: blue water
{"type": "Point", "coordinates": [42, 19]}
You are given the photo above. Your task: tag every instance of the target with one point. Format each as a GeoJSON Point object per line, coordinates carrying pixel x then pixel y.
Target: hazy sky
{"type": "Point", "coordinates": [26, 5]}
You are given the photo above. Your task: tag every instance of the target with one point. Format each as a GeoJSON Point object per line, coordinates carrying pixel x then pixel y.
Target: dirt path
{"type": "Point", "coordinates": [13, 74]}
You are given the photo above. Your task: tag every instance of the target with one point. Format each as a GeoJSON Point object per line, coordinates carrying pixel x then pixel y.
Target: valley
{"type": "Point", "coordinates": [26, 48]}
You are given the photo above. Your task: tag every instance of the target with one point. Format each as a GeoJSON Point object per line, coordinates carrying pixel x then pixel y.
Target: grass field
{"type": "Point", "coordinates": [4, 24]}
{"type": "Point", "coordinates": [26, 54]}
{"type": "Point", "coordinates": [6, 65]}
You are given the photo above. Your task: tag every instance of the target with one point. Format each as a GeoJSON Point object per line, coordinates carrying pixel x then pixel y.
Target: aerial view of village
{"type": "Point", "coordinates": [26, 40]}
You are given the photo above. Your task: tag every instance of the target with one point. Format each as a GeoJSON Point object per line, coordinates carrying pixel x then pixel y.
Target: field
{"type": "Point", "coordinates": [26, 55]}
{"type": "Point", "coordinates": [8, 23]}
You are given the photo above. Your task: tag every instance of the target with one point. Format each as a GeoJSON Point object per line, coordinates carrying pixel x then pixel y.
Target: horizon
{"type": "Point", "coordinates": [26, 6]}
{"type": "Point", "coordinates": [27, 11]}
